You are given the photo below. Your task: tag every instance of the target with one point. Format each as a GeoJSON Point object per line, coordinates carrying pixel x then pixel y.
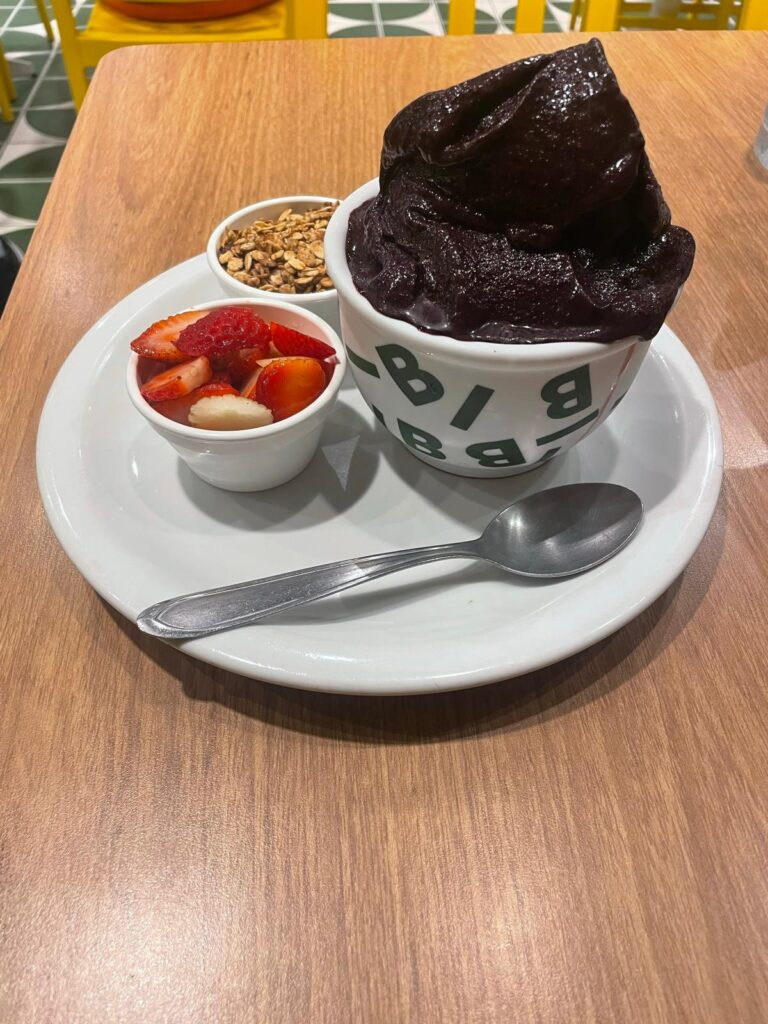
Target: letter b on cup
{"type": "Point", "coordinates": [568, 393]}
{"type": "Point", "coordinates": [418, 386]}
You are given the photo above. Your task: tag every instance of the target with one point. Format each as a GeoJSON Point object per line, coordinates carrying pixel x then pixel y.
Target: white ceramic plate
{"type": "Point", "coordinates": [140, 527]}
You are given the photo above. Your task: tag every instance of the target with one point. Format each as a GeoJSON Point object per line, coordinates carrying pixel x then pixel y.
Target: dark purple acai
{"type": "Point", "coordinates": [520, 207]}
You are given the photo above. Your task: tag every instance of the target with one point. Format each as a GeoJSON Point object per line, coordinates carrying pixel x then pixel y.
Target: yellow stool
{"type": "Point", "coordinates": [108, 30]}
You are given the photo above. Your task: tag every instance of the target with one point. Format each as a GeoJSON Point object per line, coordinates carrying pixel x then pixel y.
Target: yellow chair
{"type": "Point", "coordinates": [108, 30]}
{"type": "Point", "coordinates": [7, 88]}
{"type": "Point", "coordinates": [461, 17]}
{"type": "Point", "coordinates": [606, 15]}
{"type": "Point", "coordinates": [690, 14]}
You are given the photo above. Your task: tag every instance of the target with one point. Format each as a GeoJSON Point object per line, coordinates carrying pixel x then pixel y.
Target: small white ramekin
{"type": "Point", "coordinates": [323, 304]}
{"type": "Point", "coordinates": [263, 457]}
{"type": "Point", "coordinates": [474, 408]}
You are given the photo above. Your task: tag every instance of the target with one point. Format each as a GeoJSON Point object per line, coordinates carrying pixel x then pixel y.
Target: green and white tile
{"type": "Point", "coordinates": [22, 200]}
{"type": "Point", "coordinates": [26, 41]}
{"type": "Point", "coordinates": [50, 123]}
{"type": "Point", "coordinates": [30, 162]}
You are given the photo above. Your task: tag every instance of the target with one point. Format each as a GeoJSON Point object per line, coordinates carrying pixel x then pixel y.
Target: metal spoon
{"type": "Point", "coordinates": [558, 532]}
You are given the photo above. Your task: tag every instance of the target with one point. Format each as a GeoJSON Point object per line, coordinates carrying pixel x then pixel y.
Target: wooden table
{"type": "Point", "coordinates": [585, 844]}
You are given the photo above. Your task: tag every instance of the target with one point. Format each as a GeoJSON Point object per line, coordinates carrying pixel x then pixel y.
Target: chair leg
{"type": "Point", "coordinates": [307, 19]}
{"type": "Point", "coordinates": [9, 86]}
{"type": "Point", "coordinates": [78, 83]}
{"type": "Point", "coordinates": [42, 10]}
{"type": "Point", "coordinates": [530, 16]}
{"type": "Point", "coordinates": [461, 17]}
{"type": "Point", "coordinates": [5, 100]}
{"type": "Point", "coordinates": [600, 16]}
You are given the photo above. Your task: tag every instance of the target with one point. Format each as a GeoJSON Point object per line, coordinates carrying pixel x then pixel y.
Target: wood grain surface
{"type": "Point", "coordinates": [585, 844]}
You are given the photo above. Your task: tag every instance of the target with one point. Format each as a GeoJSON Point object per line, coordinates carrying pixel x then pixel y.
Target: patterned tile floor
{"type": "Point", "coordinates": [31, 147]}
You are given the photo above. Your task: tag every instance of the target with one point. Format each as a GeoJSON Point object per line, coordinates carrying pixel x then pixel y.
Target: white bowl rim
{"type": "Point", "coordinates": [248, 290]}
{"type": "Point", "coordinates": [550, 353]}
{"type": "Point", "coordinates": [327, 397]}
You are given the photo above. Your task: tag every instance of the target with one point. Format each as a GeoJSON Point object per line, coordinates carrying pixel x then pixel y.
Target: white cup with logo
{"type": "Point", "coordinates": [474, 408]}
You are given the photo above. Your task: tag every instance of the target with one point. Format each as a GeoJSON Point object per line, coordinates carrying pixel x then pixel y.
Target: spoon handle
{"type": "Point", "coordinates": [212, 611]}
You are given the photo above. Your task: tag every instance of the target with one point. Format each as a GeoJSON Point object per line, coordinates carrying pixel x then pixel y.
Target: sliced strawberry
{"type": "Point", "coordinates": [178, 408]}
{"type": "Point", "coordinates": [159, 340]}
{"type": "Point", "coordinates": [293, 343]}
{"type": "Point", "coordinates": [178, 380]}
{"type": "Point", "coordinates": [218, 385]}
{"type": "Point", "coordinates": [242, 364]}
{"type": "Point", "coordinates": [286, 386]}
{"type": "Point", "coordinates": [248, 389]}
{"type": "Point", "coordinates": [225, 330]}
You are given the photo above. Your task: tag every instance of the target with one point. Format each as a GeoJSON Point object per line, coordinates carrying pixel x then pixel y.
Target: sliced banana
{"type": "Point", "coordinates": [229, 412]}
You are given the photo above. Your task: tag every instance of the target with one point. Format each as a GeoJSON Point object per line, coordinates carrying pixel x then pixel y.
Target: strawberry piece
{"type": "Point", "coordinates": [178, 380]}
{"type": "Point", "coordinates": [218, 385]}
{"type": "Point", "coordinates": [248, 389]}
{"type": "Point", "coordinates": [293, 343]}
{"type": "Point", "coordinates": [286, 386]}
{"type": "Point", "coordinates": [223, 331]}
{"type": "Point", "coordinates": [242, 364]}
{"type": "Point", "coordinates": [178, 408]}
{"type": "Point", "coordinates": [159, 340]}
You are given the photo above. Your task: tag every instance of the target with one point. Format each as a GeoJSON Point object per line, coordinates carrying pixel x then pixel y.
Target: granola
{"type": "Point", "coordinates": [284, 255]}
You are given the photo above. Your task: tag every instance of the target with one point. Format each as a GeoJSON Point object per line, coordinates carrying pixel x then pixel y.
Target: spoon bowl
{"type": "Point", "coordinates": [561, 531]}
